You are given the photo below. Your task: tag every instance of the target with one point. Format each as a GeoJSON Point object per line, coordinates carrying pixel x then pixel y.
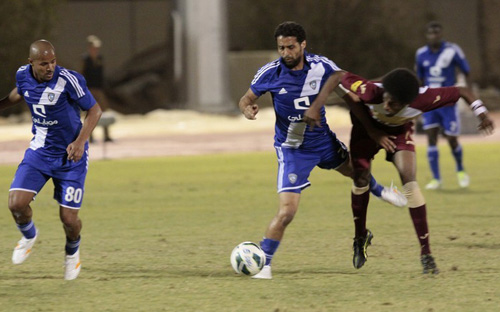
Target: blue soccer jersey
{"type": "Point", "coordinates": [293, 91]}
{"type": "Point", "coordinates": [437, 69]}
{"type": "Point", "coordinates": [55, 108]}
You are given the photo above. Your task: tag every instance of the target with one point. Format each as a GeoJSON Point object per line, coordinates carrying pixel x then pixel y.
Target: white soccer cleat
{"type": "Point", "coordinates": [434, 184]}
{"type": "Point", "coordinates": [463, 179]}
{"type": "Point", "coordinates": [23, 249]}
{"type": "Point", "coordinates": [393, 196]}
{"type": "Point", "coordinates": [72, 266]}
{"type": "Point", "coordinates": [265, 273]}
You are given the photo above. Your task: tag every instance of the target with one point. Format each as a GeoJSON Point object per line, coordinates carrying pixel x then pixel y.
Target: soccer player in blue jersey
{"type": "Point", "coordinates": [435, 65]}
{"type": "Point", "coordinates": [294, 80]}
{"type": "Point", "coordinates": [58, 150]}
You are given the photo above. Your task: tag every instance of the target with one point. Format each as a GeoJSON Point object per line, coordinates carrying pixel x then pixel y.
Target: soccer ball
{"type": "Point", "coordinates": [248, 258]}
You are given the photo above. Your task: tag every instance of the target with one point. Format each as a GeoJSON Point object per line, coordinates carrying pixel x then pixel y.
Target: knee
{"type": "Point", "coordinates": [285, 216]}
{"type": "Point", "coordinates": [17, 204]}
{"type": "Point", "coordinates": [412, 192]}
{"type": "Point", "coordinates": [361, 179]}
{"type": "Point", "coordinates": [69, 220]}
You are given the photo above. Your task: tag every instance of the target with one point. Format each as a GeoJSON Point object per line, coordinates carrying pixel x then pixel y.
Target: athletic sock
{"type": "Point", "coordinates": [458, 154]}
{"type": "Point", "coordinates": [419, 218]}
{"type": "Point", "coordinates": [28, 229]}
{"type": "Point", "coordinates": [72, 246]}
{"type": "Point", "coordinates": [433, 157]}
{"type": "Point", "coordinates": [359, 205]}
{"type": "Point", "coordinates": [375, 188]}
{"type": "Point", "coordinates": [269, 246]}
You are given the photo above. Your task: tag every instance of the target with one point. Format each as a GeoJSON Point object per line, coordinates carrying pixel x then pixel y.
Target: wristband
{"type": "Point", "coordinates": [478, 107]}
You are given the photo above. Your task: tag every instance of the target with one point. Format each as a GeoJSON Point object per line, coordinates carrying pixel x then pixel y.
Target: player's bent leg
{"type": "Point", "coordinates": [21, 211]}
{"type": "Point", "coordinates": [289, 203]}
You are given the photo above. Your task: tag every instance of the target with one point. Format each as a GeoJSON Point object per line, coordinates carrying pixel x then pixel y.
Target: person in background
{"type": "Point", "coordinates": [436, 65]}
{"type": "Point", "coordinates": [93, 71]}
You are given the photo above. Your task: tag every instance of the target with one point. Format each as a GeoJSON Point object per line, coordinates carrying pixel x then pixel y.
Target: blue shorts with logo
{"type": "Point", "coordinates": [295, 165]}
{"type": "Point", "coordinates": [68, 177]}
{"type": "Point", "coordinates": [445, 117]}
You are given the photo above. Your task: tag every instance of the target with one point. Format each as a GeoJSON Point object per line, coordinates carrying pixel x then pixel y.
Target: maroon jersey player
{"type": "Point", "coordinates": [382, 116]}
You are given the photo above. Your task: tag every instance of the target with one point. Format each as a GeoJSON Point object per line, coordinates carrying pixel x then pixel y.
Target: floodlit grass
{"type": "Point", "coordinates": [157, 235]}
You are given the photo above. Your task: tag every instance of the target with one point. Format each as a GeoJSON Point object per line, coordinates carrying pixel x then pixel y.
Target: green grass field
{"type": "Point", "coordinates": [158, 232]}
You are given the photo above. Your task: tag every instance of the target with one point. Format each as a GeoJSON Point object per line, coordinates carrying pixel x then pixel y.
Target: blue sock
{"type": "Point", "coordinates": [433, 157]}
{"type": "Point", "coordinates": [458, 154]}
{"type": "Point", "coordinates": [72, 246]}
{"type": "Point", "coordinates": [269, 246]}
{"type": "Point", "coordinates": [375, 188]}
{"type": "Point", "coordinates": [28, 229]}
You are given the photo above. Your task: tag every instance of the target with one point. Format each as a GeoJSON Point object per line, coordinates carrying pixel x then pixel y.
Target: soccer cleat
{"type": "Point", "coordinates": [393, 196]}
{"type": "Point", "coordinates": [463, 179]}
{"type": "Point", "coordinates": [360, 247]}
{"type": "Point", "coordinates": [72, 266]}
{"type": "Point", "coordinates": [265, 273]}
{"type": "Point", "coordinates": [23, 249]}
{"type": "Point", "coordinates": [429, 264]}
{"type": "Point", "coordinates": [434, 184]}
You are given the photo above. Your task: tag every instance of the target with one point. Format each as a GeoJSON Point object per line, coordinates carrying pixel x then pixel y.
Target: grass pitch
{"type": "Point", "coordinates": [157, 235]}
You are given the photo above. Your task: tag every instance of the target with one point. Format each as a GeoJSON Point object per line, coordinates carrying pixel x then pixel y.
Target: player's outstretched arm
{"type": "Point", "coordinates": [248, 105]}
{"type": "Point", "coordinates": [76, 148]}
{"type": "Point", "coordinates": [10, 100]}
{"type": "Point", "coordinates": [477, 106]}
{"type": "Point", "coordinates": [312, 116]}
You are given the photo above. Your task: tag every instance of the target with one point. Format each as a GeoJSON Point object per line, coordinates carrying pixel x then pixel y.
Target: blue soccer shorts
{"type": "Point", "coordinates": [445, 117]}
{"type": "Point", "coordinates": [295, 165]}
{"type": "Point", "coordinates": [68, 177]}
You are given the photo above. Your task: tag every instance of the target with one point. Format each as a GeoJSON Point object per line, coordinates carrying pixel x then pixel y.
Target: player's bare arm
{"type": "Point", "coordinates": [477, 106]}
{"type": "Point", "coordinates": [312, 116]}
{"type": "Point", "coordinates": [248, 105]}
{"type": "Point", "coordinates": [10, 100]}
{"type": "Point", "coordinates": [383, 139]}
{"type": "Point", "coordinates": [76, 148]}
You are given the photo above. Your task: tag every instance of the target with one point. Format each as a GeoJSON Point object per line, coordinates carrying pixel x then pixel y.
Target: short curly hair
{"type": "Point", "coordinates": [290, 29]}
{"type": "Point", "coordinates": [402, 84]}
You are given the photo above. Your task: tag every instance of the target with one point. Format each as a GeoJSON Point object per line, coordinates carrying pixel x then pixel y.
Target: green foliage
{"type": "Point", "coordinates": [22, 23]}
{"type": "Point", "coordinates": [158, 232]}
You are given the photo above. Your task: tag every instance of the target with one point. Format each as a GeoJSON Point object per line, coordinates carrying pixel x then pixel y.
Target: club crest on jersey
{"type": "Point", "coordinates": [292, 177]}
{"type": "Point", "coordinates": [312, 84]}
{"type": "Point", "coordinates": [51, 96]}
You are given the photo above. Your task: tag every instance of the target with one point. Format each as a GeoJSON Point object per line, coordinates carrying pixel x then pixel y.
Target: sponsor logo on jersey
{"type": "Point", "coordinates": [283, 91]}
{"type": "Point", "coordinates": [292, 177]}
{"type": "Point", "coordinates": [295, 118]}
{"type": "Point", "coordinates": [437, 99]}
{"type": "Point", "coordinates": [44, 122]}
{"type": "Point", "coordinates": [356, 85]}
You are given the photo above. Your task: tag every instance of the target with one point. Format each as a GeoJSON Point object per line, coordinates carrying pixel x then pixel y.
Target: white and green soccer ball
{"type": "Point", "coordinates": [248, 258]}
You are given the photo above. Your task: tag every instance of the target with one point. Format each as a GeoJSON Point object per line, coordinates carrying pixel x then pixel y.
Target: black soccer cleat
{"type": "Point", "coordinates": [429, 264]}
{"type": "Point", "coordinates": [359, 247]}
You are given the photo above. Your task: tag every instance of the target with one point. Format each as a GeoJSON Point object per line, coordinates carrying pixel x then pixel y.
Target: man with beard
{"type": "Point", "coordinates": [294, 81]}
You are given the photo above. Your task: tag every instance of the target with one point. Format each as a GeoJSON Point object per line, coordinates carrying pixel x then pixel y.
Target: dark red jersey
{"type": "Point", "coordinates": [371, 93]}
